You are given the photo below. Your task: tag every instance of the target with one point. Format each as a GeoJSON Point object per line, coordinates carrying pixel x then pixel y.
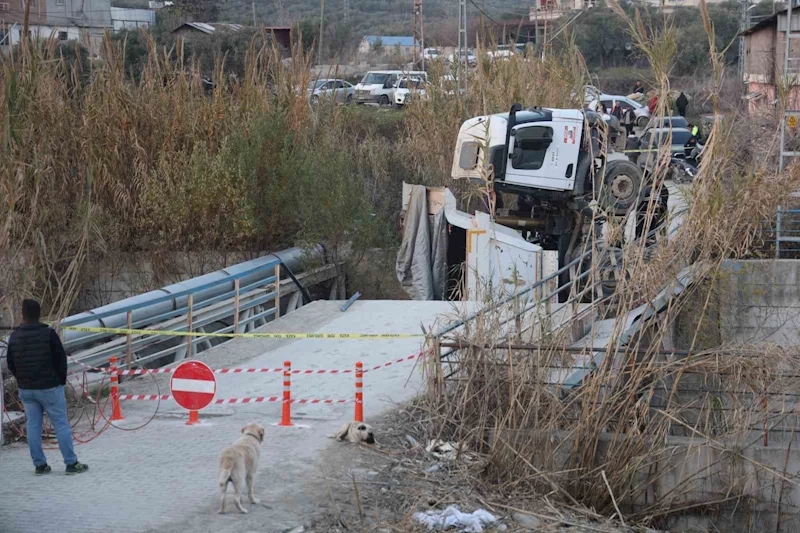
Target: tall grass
{"type": "Point", "coordinates": [97, 162]}
{"type": "Point", "coordinates": [604, 446]}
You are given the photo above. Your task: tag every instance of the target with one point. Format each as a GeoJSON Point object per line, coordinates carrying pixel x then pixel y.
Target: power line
{"type": "Point", "coordinates": [483, 12]}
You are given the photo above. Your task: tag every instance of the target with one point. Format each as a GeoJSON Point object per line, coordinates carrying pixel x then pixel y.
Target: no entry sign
{"type": "Point", "coordinates": [193, 385]}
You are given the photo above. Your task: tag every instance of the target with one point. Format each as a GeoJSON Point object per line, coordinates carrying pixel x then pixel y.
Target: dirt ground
{"type": "Point", "coordinates": [385, 484]}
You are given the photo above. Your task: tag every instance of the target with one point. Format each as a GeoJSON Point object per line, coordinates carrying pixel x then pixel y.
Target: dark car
{"type": "Point", "coordinates": [643, 150]}
{"type": "Point", "coordinates": [670, 122]}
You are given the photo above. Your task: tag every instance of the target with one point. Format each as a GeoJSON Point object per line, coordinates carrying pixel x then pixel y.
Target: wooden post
{"type": "Point", "coordinates": [236, 306]}
{"type": "Point", "coordinates": [189, 327]}
{"type": "Point", "coordinates": [277, 291]}
{"type": "Point", "coordinates": [129, 341]}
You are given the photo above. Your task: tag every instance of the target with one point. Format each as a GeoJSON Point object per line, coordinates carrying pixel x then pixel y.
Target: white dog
{"type": "Point", "coordinates": [355, 432]}
{"type": "Point", "coordinates": [238, 465]}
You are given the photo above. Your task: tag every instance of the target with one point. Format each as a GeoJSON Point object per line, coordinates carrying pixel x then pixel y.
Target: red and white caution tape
{"type": "Point", "coordinates": [228, 401]}
{"type": "Point", "coordinates": [265, 370]}
{"type": "Point", "coordinates": [87, 367]}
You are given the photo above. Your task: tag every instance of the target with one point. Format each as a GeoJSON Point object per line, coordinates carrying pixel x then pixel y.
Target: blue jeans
{"type": "Point", "coordinates": [50, 401]}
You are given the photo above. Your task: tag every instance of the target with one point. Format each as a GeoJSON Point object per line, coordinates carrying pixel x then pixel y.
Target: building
{"type": "Point", "coordinates": [764, 50]}
{"type": "Point", "coordinates": [205, 28]}
{"type": "Point", "coordinates": [406, 43]}
{"type": "Point", "coordinates": [64, 20]}
{"type": "Point", "coordinates": [123, 18]}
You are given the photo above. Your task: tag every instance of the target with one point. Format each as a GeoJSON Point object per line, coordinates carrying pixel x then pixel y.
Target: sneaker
{"type": "Point", "coordinates": [77, 468]}
{"type": "Point", "coordinates": [43, 469]}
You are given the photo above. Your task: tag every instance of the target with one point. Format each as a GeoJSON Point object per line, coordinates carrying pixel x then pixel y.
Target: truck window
{"type": "Point", "coordinates": [468, 158]}
{"type": "Point", "coordinates": [530, 147]}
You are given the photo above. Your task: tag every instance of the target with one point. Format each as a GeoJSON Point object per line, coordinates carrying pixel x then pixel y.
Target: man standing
{"type": "Point", "coordinates": [638, 88]}
{"type": "Point", "coordinates": [38, 361]}
{"type": "Point", "coordinates": [682, 103]}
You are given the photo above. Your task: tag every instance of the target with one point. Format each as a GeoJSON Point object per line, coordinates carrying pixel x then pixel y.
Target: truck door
{"type": "Point", "coordinates": [544, 155]}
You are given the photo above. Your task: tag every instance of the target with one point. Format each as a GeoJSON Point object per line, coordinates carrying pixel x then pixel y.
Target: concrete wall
{"type": "Point", "coordinates": [122, 276]}
{"type": "Point", "coordinates": [131, 19]}
{"type": "Point", "coordinates": [759, 302]}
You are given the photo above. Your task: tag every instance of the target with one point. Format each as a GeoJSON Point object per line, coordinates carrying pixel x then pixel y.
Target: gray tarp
{"type": "Point", "coordinates": [422, 259]}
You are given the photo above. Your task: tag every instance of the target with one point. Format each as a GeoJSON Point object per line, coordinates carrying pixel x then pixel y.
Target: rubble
{"type": "Point", "coordinates": [452, 517]}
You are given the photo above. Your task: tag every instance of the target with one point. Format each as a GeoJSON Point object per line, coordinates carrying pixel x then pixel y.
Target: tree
{"type": "Point", "coordinates": [377, 46]}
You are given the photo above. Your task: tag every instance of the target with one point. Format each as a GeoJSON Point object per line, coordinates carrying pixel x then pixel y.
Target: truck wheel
{"type": "Point", "coordinates": [642, 121]}
{"type": "Point", "coordinates": [622, 183]}
{"type": "Point", "coordinates": [611, 270]}
{"type": "Point", "coordinates": [384, 100]}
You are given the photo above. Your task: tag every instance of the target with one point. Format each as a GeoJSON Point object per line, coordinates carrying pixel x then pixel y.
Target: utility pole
{"type": "Point", "coordinates": [280, 12]}
{"type": "Point", "coordinates": [321, 28]}
{"type": "Point", "coordinates": [346, 11]}
{"type": "Point", "coordinates": [536, 23]}
{"type": "Point", "coordinates": [463, 61]}
{"type": "Point", "coordinates": [744, 24]}
{"type": "Point", "coordinates": [419, 33]}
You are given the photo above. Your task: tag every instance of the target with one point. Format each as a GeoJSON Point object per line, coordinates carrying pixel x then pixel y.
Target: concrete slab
{"type": "Point", "coordinates": [162, 477]}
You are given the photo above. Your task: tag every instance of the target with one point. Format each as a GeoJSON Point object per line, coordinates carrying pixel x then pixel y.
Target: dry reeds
{"type": "Point", "coordinates": [622, 422]}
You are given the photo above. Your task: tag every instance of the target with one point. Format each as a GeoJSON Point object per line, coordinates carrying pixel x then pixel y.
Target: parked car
{"type": "Point", "coordinates": [431, 54]}
{"type": "Point", "coordinates": [339, 90]}
{"type": "Point", "coordinates": [670, 122]}
{"type": "Point", "coordinates": [682, 143]}
{"type": "Point", "coordinates": [408, 87]}
{"type": "Point", "coordinates": [377, 86]}
{"type": "Point", "coordinates": [505, 51]}
{"type": "Point", "coordinates": [641, 112]}
{"type": "Point", "coordinates": [471, 59]}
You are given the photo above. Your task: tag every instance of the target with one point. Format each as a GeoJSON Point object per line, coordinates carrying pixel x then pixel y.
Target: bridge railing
{"type": "Point", "coordinates": [237, 309]}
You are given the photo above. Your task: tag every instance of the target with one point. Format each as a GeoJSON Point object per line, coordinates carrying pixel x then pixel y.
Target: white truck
{"type": "Point", "coordinates": [565, 176]}
{"type": "Point", "coordinates": [377, 86]}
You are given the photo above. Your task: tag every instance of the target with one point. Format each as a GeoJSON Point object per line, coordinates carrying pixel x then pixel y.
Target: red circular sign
{"type": "Point", "coordinates": [193, 385]}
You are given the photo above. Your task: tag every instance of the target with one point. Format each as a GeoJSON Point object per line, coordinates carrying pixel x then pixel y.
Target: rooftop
{"type": "Point", "coordinates": [391, 40]}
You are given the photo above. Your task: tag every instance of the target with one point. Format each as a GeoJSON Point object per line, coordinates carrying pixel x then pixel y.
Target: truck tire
{"type": "Point", "coordinates": [642, 121]}
{"type": "Point", "coordinates": [384, 101]}
{"type": "Point", "coordinates": [622, 185]}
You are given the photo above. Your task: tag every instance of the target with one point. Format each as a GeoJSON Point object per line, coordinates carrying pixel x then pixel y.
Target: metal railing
{"type": "Point", "coordinates": [787, 233]}
{"type": "Point", "coordinates": [576, 288]}
{"type": "Point", "coordinates": [238, 309]}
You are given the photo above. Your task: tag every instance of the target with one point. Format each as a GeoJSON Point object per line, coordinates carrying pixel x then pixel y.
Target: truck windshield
{"type": "Point", "coordinates": [373, 78]}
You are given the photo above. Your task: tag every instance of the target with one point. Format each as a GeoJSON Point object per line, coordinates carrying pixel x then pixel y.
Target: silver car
{"type": "Point", "coordinates": [339, 90]}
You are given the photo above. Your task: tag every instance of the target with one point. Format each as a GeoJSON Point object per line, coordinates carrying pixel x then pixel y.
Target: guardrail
{"type": "Point", "coordinates": [787, 232]}
{"type": "Point", "coordinates": [238, 310]}
{"type": "Point", "coordinates": [577, 288]}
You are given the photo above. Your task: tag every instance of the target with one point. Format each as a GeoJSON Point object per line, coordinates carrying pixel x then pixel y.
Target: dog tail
{"type": "Point", "coordinates": [225, 469]}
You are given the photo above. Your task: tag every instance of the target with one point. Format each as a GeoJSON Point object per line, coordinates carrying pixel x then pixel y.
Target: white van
{"type": "Point", "coordinates": [377, 86]}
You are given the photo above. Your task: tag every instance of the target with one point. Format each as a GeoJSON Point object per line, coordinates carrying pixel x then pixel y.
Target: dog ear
{"type": "Point", "coordinates": [261, 434]}
{"type": "Point", "coordinates": [362, 427]}
{"type": "Point", "coordinates": [243, 428]}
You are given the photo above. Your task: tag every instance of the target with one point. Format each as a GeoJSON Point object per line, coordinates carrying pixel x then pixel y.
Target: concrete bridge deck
{"type": "Point", "coordinates": [162, 477]}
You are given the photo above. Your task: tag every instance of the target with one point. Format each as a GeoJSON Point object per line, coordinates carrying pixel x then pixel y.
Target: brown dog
{"type": "Point", "coordinates": [355, 432]}
{"type": "Point", "coordinates": [238, 465]}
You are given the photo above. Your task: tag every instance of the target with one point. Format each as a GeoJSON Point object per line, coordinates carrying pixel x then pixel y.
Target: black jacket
{"type": "Point", "coordinates": [682, 102]}
{"type": "Point", "coordinates": [36, 357]}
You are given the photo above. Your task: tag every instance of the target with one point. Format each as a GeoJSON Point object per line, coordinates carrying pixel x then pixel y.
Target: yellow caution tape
{"type": "Point", "coordinates": [124, 331]}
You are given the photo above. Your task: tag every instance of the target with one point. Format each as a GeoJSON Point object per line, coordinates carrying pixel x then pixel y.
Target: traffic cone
{"type": "Point", "coordinates": [116, 410]}
{"type": "Point", "coordinates": [359, 414]}
{"type": "Point", "coordinates": [286, 412]}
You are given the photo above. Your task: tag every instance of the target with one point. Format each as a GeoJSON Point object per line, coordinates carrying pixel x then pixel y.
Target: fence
{"type": "Point", "coordinates": [285, 398]}
{"type": "Point", "coordinates": [233, 308]}
{"type": "Point", "coordinates": [787, 233]}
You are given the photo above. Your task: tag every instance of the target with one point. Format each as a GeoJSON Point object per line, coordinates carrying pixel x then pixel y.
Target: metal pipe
{"type": "Point", "coordinates": [158, 304]}
{"type": "Point", "coordinates": [351, 301]}
{"type": "Point", "coordinates": [520, 222]}
{"type": "Point", "coordinates": [570, 349]}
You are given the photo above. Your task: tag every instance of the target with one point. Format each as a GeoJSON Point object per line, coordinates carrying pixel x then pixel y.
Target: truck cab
{"type": "Point", "coordinates": [549, 154]}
